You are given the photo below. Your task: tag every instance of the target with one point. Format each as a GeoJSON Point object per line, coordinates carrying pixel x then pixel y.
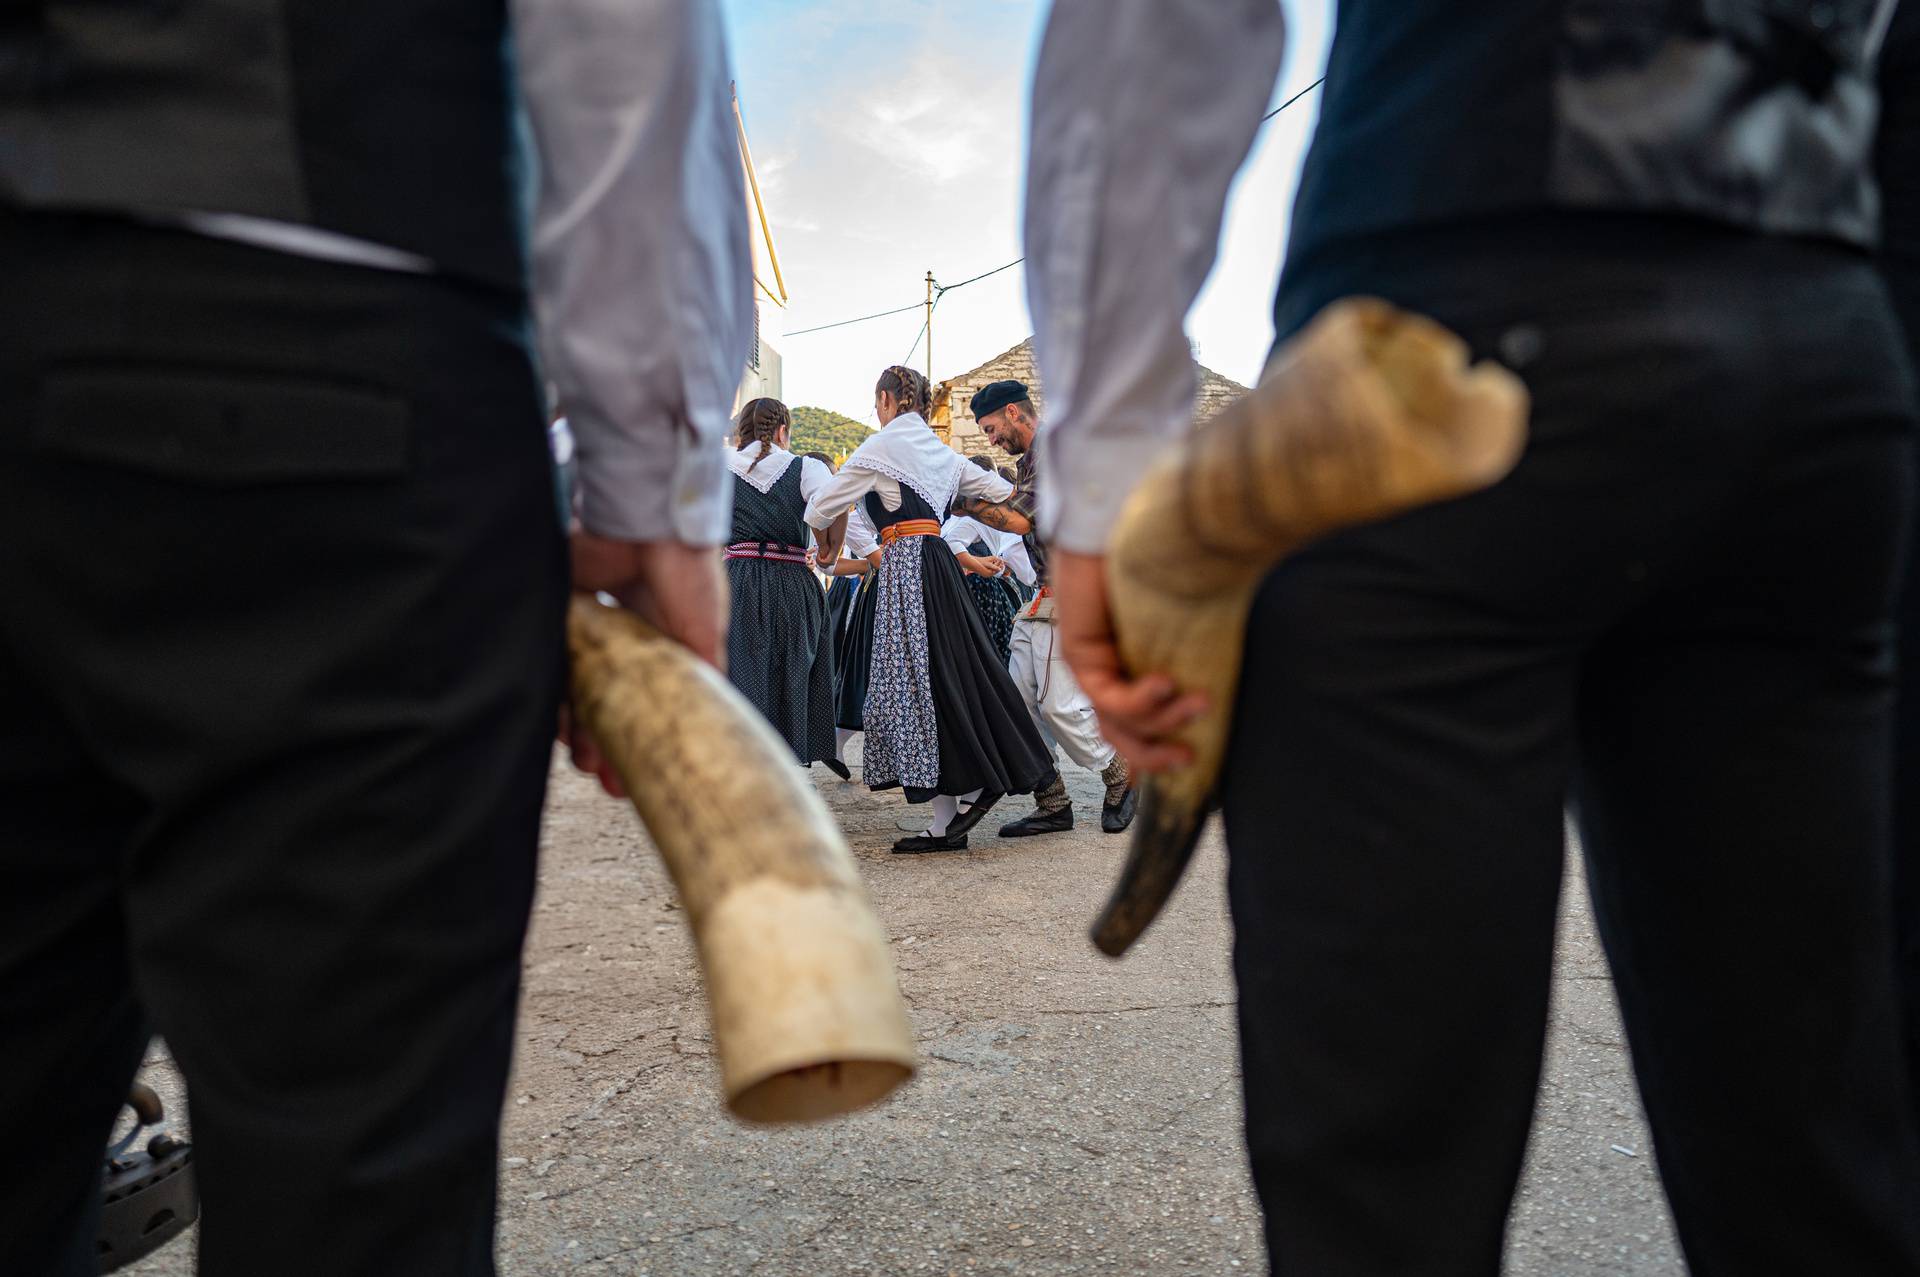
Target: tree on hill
{"type": "Point", "coordinates": [823, 430]}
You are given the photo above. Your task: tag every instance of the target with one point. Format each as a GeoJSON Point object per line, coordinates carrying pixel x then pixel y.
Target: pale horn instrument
{"type": "Point", "coordinates": [1368, 412]}
{"type": "Point", "coordinates": [807, 1017]}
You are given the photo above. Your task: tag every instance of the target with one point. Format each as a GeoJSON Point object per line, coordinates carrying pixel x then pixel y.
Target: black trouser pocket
{"type": "Point", "coordinates": [222, 428]}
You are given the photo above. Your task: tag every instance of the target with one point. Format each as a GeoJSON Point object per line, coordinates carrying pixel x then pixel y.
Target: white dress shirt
{"type": "Point", "coordinates": [861, 538]}
{"type": "Point", "coordinates": [1143, 110]}
{"type": "Point", "coordinates": [963, 530]}
{"type": "Point", "coordinates": [642, 271]}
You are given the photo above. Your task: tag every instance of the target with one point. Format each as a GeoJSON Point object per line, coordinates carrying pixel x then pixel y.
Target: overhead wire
{"type": "Point", "coordinates": [908, 361]}
{"type": "Point", "coordinates": [1295, 98]}
{"type": "Point", "coordinates": [941, 290]}
{"type": "Point", "coordinates": [898, 310]}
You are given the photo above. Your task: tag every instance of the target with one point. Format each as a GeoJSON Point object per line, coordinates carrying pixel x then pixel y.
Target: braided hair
{"type": "Point", "coordinates": [759, 422]}
{"type": "Point", "coordinates": [908, 388]}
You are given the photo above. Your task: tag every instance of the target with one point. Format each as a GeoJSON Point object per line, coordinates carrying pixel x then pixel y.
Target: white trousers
{"type": "Point", "coordinates": [1060, 709]}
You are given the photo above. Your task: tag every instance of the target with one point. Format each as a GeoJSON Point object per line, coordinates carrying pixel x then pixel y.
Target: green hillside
{"type": "Point", "coordinates": [822, 430]}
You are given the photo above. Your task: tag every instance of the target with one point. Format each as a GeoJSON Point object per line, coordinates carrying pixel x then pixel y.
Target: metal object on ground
{"type": "Point", "coordinates": [148, 1195]}
{"type": "Point", "coordinates": [1368, 412]}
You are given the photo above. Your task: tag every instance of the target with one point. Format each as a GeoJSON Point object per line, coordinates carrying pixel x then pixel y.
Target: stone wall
{"type": "Point", "coordinates": [966, 437]}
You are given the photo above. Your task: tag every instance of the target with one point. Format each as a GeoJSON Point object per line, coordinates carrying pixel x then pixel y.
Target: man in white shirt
{"type": "Point", "coordinates": [285, 583]}
{"type": "Point", "coordinates": [1623, 624]}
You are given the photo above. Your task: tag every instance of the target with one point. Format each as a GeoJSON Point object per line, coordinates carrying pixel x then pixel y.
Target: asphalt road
{"type": "Point", "coordinates": [1073, 1116]}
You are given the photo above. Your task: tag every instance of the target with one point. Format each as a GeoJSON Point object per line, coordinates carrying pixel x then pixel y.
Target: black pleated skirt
{"type": "Point", "coordinates": [855, 654]}
{"type": "Point", "coordinates": [986, 736]}
{"type": "Point", "coordinates": [779, 652]}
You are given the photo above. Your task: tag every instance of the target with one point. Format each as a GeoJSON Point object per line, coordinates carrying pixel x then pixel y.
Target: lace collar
{"type": "Point", "coordinates": [907, 450]}
{"type": "Point", "coordinates": [763, 476]}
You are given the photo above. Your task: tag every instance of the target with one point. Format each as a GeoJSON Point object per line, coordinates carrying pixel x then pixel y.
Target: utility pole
{"type": "Point", "coordinates": [929, 328]}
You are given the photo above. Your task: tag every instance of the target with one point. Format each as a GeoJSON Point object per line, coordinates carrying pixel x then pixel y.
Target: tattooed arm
{"type": "Point", "coordinates": [1001, 516]}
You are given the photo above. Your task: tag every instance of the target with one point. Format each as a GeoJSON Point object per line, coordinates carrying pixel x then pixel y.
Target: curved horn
{"type": "Point", "coordinates": [1367, 413]}
{"type": "Point", "coordinates": [807, 1018]}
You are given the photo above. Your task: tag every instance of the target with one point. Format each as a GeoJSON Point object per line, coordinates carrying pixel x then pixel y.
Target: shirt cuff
{"type": "Point", "coordinates": [639, 494]}
{"type": "Point", "coordinates": [1081, 496]}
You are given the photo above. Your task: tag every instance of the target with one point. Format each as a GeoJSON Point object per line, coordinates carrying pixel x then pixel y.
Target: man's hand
{"type": "Point", "coordinates": [1137, 716]}
{"type": "Point", "coordinates": [681, 590]}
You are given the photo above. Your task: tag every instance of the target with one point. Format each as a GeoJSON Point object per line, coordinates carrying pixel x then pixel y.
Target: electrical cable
{"type": "Point", "coordinates": [941, 290]}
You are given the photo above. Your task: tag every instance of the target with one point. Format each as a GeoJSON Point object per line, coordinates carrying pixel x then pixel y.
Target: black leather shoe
{"type": "Point", "coordinates": [838, 768]}
{"type": "Point", "coordinates": [927, 842]}
{"type": "Point", "coordinates": [1115, 817]}
{"type": "Point", "coordinates": [1039, 822]}
{"type": "Point", "coordinates": [959, 825]}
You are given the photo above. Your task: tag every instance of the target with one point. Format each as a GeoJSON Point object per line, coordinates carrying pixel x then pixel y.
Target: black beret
{"type": "Point", "coordinates": [994, 396]}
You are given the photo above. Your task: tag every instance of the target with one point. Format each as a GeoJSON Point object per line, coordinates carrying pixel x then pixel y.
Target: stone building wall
{"type": "Point", "coordinates": [964, 434]}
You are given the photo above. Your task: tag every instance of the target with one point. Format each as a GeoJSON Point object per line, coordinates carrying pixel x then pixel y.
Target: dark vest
{"type": "Point", "coordinates": [387, 120]}
{"type": "Point", "coordinates": [1754, 113]}
{"type": "Point", "coordinates": [1898, 162]}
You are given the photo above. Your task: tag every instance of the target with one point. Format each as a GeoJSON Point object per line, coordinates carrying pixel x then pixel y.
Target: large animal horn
{"type": "Point", "coordinates": [807, 1018]}
{"type": "Point", "coordinates": [1370, 411]}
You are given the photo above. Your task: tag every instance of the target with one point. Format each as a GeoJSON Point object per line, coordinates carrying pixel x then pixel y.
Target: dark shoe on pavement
{"type": "Point", "coordinates": [1115, 817]}
{"type": "Point", "coordinates": [967, 819]}
{"type": "Point", "coordinates": [950, 841]}
{"type": "Point", "coordinates": [1039, 822]}
{"type": "Point", "coordinates": [838, 768]}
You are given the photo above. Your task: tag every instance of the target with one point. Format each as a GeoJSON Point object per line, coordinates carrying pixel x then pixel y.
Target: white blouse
{"type": "Point", "coordinates": [905, 451]}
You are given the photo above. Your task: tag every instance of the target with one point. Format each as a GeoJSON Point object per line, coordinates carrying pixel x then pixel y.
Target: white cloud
{"type": "Point", "coordinates": [889, 143]}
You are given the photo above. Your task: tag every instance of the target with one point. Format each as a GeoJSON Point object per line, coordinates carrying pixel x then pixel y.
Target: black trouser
{"type": "Point", "coordinates": [280, 606]}
{"type": "Point", "coordinates": [1675, 616]}
{"type": "Point", "coordinates": [1903, 274]}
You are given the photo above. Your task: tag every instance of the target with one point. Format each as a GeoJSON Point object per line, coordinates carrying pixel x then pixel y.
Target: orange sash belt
{"type": "Point", "coordinates": [909, 528]}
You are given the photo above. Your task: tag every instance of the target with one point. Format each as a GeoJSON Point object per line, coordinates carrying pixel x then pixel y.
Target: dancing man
{"type": "Point", "coordinates": [1060, 709]}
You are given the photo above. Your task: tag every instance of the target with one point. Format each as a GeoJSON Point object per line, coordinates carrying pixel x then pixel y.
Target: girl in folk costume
{"type": "Point", "coordinates": [943, 719]}
{"type": "Point", "coordinates": [981, 553]}
{"type": "Point", "coordinates": [779, 647]}
{"type": "Point", "coordinates": [858, 565]}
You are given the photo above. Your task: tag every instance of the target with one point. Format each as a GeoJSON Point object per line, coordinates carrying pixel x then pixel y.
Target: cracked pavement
{"type": "Point", "coordinates": [1073, 1115]}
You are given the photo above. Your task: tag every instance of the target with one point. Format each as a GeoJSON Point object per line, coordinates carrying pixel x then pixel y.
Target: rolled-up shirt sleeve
{"type": "Point", "coordinates": [861, 540]}
{"type": "Point", "coordinates": [642, 270]}
{"type": "Point", "coordinates": [1143, 111]}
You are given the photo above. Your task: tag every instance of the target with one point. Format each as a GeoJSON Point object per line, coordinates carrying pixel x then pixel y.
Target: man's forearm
{"type": "Point", "coordinates": [1000, 517]}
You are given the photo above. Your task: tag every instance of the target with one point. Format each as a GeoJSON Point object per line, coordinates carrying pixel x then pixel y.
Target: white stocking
{"type": "Point", "coordinates": [944, 810]}
{"type": "Point", "coordinates": [841, 735]}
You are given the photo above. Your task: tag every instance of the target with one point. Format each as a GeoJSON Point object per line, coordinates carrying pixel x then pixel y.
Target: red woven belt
{"type": "Point", "coordinates": [909, 528]}
{"type": "Point", "coordinates": [768, 550]}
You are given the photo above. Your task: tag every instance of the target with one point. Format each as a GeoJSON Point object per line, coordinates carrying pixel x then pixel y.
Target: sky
{"type": "Point", "coordinates": [889, 137]}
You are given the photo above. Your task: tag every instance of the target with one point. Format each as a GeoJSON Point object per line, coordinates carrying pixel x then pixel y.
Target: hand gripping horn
{"type": "Point", "coordinates": [807, 1018]}
{"type": "Point", "coordinates": [1368, 412]}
